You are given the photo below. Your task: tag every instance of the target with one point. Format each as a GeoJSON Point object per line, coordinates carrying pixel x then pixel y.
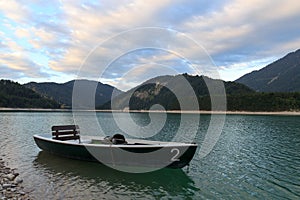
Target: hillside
{"type": "Point", "coordinates": [282, 75]}
{"type": "Point", "coordinates": [266, 102]}
{"type": "Point", "coordinates": [14, 95]}
{"type": "Point", "coordinates": [62, 93]}
{"type": "Point", "coordinates": [155, 91]}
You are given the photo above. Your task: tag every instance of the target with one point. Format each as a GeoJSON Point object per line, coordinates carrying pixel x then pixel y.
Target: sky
{"type": "Point", "coordinates": [124, 42]}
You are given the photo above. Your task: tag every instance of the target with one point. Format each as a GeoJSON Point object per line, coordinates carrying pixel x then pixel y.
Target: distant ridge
{"type": "Point", "coordinates": [62, 93]}
{"type": "Point", "coordinates": [155, 91]}
{"type": "Point", "coordinates": [239, 97]}
{"type": "Point", "coordinates": [14, 95]}
{"type": "Point", "coordinates": [282, 75]}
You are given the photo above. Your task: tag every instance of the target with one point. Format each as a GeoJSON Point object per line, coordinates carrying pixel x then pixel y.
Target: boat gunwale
{"type": "Point", "coordinates": [160, 144]}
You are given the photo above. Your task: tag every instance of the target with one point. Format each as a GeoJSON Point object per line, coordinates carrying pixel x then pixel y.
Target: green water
{"type": "Point", "coordinates": [256, 157]}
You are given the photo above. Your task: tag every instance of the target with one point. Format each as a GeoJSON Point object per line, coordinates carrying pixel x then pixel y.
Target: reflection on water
{"type": "Point", "coordinates": [74, 178]}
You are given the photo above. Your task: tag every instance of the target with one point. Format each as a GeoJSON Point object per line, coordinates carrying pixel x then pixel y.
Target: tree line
{"type": "Point", "coordinates": [257, 101]}
{"type": "Point", "coordinates": [14, 95]}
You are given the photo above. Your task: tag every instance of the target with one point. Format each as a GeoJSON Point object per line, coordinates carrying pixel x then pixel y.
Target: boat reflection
{"type": "Point", "coordinates": [172, 182]}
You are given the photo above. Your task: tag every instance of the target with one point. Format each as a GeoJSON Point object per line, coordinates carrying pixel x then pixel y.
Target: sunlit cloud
{"type": "Point", "coordinates": [57, 40]}
{"type": "Point", "coordinates": [14, 10]}
{"type": "Point", "coordinates": [236, 70]}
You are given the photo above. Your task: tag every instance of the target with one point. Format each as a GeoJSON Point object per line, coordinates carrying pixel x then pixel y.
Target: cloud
{"type": "Point", "coordinates": [22, 33]}
{"type": "Point", "coordinates": [92, 27]}
{"type": "Point", "coordinates": [139, 74]}
{"type": "Point", "coordinates": [238, 28]}
{"type": "Point", "coordinates": [14, 10]}
{"type": "Point", "coordinates": [27, 41]}
{"type": "Point", "coordinates": [16, 65]}
{"type": "Point", "coordinates": [246, 27]}
{"type": "Point", "coordinates": [233, 71]}
{"type": "Point", "coordinates": [54, 38]}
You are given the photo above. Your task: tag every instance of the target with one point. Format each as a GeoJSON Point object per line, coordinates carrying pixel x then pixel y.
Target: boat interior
{"type": "Point", "coordinates": [71, 134]}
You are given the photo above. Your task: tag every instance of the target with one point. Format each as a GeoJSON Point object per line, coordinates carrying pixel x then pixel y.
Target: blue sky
{"type": "Point", "coordinates": [47, 41]}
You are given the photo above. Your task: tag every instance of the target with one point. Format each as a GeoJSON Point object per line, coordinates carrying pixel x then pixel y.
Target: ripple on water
{"type": "Point", "coordinates": [255, 157]}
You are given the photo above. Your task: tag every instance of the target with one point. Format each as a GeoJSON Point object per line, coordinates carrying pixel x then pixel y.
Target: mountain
{"type": "Point", "coordinates": [161, 90]}
{"type": "Point", "coordinates": [14, 95]}
{"type": "Point", "coordinates": [282, 75]}
{"type": "Point", "coordinates": [62, 93]}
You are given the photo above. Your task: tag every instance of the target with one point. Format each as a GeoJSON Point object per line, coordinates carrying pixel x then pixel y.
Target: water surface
{"type": "Point", "coordinates": [256, 157]}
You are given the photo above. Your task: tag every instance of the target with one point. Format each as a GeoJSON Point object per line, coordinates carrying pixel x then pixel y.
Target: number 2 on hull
{"type": "Point", "coordinates": [175, 157]}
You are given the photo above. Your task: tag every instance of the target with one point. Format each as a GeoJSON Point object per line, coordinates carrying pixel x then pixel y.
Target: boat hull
{"type": "Point", "coordinates": [154, 156]}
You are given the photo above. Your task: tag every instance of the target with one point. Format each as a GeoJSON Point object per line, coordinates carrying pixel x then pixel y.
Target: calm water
{"type": "Point", "coordinates": [256, 157]}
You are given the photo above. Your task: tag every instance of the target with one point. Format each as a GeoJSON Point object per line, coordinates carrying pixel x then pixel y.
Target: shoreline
{"type": "Point", "coordinates": [10, 184]}
{"type": "Point", "coordinates": [292, 113]}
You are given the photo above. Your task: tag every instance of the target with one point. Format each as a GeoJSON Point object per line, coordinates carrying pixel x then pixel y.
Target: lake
{"type": "Point", "coordinates": [255, 157]}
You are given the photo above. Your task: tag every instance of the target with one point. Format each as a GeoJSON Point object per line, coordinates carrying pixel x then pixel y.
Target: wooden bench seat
{"type": "Point", "coordinates": [66, 132]}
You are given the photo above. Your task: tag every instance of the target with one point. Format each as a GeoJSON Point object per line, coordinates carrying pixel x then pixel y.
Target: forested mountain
{"type": "Point", "coordinates": [62, 93]}
{"type": "Point", "coordinates": [282, 75]}
{"type": "Point", "coordinates": [273, 88]}
{"type": "Point", "coordinates": [14, 95]}
{"type": "Point", "coordinates": [160, 90]}
{"type": "Point", "coordinates": [239, 97]}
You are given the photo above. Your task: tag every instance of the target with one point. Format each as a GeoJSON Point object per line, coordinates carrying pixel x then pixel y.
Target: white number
{"type": "Point", "coordinates": [174, 158]}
